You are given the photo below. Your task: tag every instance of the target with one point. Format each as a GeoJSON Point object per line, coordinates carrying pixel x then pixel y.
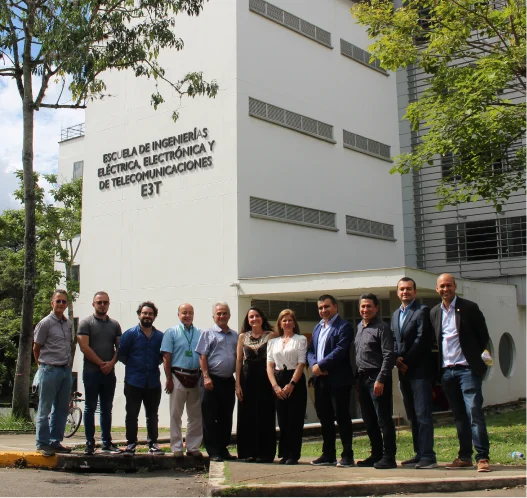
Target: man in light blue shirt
{"type": "Point", "coordinates": [181, 363]}
{"type": "Point", "coordinates": [217, 350]}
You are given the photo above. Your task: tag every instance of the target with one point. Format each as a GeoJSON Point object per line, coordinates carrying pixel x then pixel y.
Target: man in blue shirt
{"type": "Point", "coordinates": [140, 351]}
{"type": "Point", "coordinates": [181, 363]}
{"type": "Point", "coordinates": [217, 350]}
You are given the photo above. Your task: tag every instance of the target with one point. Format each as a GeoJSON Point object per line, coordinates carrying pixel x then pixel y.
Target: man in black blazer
{"type": "Point", "coordinates": [462, 336]}
{"type": "Point", "coordinates": [328, 355]}
{"type": "Point", "coordinates": [413, 338]}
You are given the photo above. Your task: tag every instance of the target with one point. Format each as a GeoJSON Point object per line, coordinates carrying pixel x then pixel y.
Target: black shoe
{"type": "Point", "coordinates": [282, 461]}
{"type": "Point", "coordinates": [155, 450]}
{"type": "Point", "coordinates": [250, 459]}
{"type": "Point", "coordinates": [412, 462]}
{"type": "Point", "coordinates": [324, 460]}
{"type": "Point", "coordinates": [46, 451]}
{"type": "Point", "coordinates": [264, 460]}
{"type": "Point", "coordinates": [228, 456]}
{"type": "Point", "coordinates": [291, 461]}
{"type": "Point", "coordinates": [346, 462]}
{"type": "Point", "coordinates": [130, 449]}
{"type": "Point", "coordinates": [368, 462]}
{"type": "Point", "coordinates": [216, 459]}
{"type": "Point", "coordinates": [90, 449]}
{"type": "Point", "coordinates": [385, 463]}
{"type": "Point", "coordinates": [111, 448]}
{"type": "Point", "coordinates": [58, 448]}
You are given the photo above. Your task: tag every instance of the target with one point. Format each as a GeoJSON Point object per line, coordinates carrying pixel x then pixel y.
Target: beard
{"type": "Point", "coordinates": [146, 322]}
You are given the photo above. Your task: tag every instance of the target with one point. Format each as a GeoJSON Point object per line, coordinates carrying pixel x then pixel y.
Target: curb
{"type": "Point", "coordinates": [361, 488]}
{"type": "Point", "coordinates": [101, 462]}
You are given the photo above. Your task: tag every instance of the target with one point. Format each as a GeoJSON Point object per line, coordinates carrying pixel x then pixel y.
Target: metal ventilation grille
{"type": "Point", "coordinates": [288, 20]}
{"type": "Point", "coordinates": [360, 55]}
{"type": "Point", "coordinates": [365, 145]}
{"type": "Point", "coordinates": [369, 228]}
{"type": "Point", "coordinates": [288, 213]}
{"type": "Point", "coordinates": [291, 120]}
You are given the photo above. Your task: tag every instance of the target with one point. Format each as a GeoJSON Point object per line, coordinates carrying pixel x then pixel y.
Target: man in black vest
{"type": "Point", "coordinates": [462, 336]}
{"type": "Point", "coordinates": [413, 339]}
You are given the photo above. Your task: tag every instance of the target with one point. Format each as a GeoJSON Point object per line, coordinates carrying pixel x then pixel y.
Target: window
{"type": "Point", "coordinates": [304, 311]}
{"type": "Point", "coordinates": [75, 273]}
{"type": "Point", "coordinates": [366, 145]}
{"type": "Point", "coordinates": [291, 120]}
{"type": "Point", "coordinates": [507, 354]}
{"type": "Point", "coordinates": [512, 236]}
{"type": "Point", "coordinates": [359, 55]}
{"type": "Point", "coordinates": [78, 167]}
{"type": "Point", "coordinates": [447, 167]}
{"type": "Point", "coordinates": [369, 228]}
{"type": "Point", "coordinates": [290, 21]}
{"type": "Point", "coordinates": [288, 213]}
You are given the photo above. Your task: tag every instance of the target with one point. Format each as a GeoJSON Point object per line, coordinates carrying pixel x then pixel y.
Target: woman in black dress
{"type": "Point", "coordinates": [256, 430]}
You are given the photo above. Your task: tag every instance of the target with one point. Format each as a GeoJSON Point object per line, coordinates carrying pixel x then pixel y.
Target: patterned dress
{"type": "Point", "coordinates": [256, 430]}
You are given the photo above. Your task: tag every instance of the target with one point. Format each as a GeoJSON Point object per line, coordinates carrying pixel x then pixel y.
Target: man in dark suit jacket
{"type": "Point", "coordinates": [328, 355]}
{"type": "Point", "coordinates": [462, 336]}
{"type": "Point", "coordinates": [413, 339]}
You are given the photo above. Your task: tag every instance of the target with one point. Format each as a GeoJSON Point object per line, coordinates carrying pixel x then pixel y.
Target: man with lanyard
{"type": "Point", "coordinates": [140, 351]}
{"type": "Point", "coordinates": [375, 361]}
{"type": "Point", "coordinates": [52, 352]}
{"type": "Point", "coordinates": [328, 355]}
{"type": "Point", "coordinates": [98, 338]}
{"type": "Point", "coordinates": [181, 363]}
{"type": "Point", "coordinates": [413, 339]}
{"type": "Point", "coordinates": [217, 350]}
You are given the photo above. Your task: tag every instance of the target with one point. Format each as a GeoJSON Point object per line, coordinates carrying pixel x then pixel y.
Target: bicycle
{"type": "Point", "coordinates": [74, 418]}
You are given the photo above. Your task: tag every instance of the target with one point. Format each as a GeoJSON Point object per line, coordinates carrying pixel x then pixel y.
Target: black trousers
{"type": "Point", "coordinates": [216, 412]}
{"type": "Point", "coordinates": [333, 403]}
{"type": "Point", "coordinates": [377, 416]}
{"type": "Point", "coordinates": [291, 415]}
{"type": "Point", "coordinates": [151, 399]}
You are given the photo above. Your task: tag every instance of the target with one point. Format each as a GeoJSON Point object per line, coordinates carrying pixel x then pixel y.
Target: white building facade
{"type": "Point", "coordinates": [275, 192]}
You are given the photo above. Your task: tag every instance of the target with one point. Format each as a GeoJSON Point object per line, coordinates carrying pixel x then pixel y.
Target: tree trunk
{"type": "Point", "coordinates": [23, 365]}
{"type": "Point", "coordinates": [71, 313]}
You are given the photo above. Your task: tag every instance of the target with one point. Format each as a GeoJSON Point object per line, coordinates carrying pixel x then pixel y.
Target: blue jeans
{"type": "Point", "coordinates": [417, 398]}
{"type": "Point", "coordinates": [463, 391]}
{"type": "Point", "coordinates": [54, 399]}
{"type": "Point", "coordinates": [98, 387]}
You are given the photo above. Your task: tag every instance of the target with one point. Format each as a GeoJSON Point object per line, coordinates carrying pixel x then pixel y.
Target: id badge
{"type": "Point", "coordinates": [188, 353]}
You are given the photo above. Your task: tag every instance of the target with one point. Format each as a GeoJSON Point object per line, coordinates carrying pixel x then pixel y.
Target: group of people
{"type": "Point", "coordinates": [264, 367]}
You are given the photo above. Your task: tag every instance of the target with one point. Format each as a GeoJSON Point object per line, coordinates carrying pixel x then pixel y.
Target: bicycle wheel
{"type": "Point", "coordinates": [73, 421]}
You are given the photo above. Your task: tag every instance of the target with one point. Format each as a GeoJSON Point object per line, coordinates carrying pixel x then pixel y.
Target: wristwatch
{"type": "Point", "coordinates": [293, 383]}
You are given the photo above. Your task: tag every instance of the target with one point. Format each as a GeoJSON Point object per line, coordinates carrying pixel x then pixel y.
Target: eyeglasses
{"type": "Point", "coordinates": [61, 301]}
{"type": "Point", "coordinates": [102, 302]}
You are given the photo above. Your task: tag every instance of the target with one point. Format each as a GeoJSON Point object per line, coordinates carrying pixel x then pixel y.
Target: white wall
{"type": "Point", "coordinates": [283, 68]}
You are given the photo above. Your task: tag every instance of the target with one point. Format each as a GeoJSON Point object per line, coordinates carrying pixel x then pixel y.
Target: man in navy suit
{"type": "Point", "coordinates": [413, 338]}
{"type": "Point", "coordinates": [328, 355]}
{"type": "Point", "coordinates": [462, 336]}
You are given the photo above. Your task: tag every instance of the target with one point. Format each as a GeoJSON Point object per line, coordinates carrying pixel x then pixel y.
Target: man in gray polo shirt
{"type": "Point", "coordinates": [99, 337]}
{"type": "Point", "coordinates": [217, 350]}
{"type": "Point", "coordinates": [52, 351]}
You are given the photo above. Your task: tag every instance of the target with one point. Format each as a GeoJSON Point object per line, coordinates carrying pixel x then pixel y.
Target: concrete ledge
{"type": "Point", "coordinates": [99, 462]}
{"type": "Point", "coordinates": [366, 488]}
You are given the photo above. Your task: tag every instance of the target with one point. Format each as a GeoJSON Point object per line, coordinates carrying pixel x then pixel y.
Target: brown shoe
{"type": "Point", "coordinates": [459, 464]}
{"type": "Point", "coordinates": [483, 465]}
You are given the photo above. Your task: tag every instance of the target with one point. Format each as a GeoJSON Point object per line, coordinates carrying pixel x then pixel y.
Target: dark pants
{"type": "Point", "coordinates": [333, 403]}
{"type": "Point", "coordinates": [463, 391]}
{"type": "Point", "coordinates": [291, 415]}
{"type": "Point", "coordinates": [417, 398]}
{"type": "Point", "coordinates": [150, 399]}
{"type": "Point", "coordinates": [217, 407]}
{"type": "Point", "coordinates": [377, 417]}
{"type": "Point", "coordinates": [98, 387]}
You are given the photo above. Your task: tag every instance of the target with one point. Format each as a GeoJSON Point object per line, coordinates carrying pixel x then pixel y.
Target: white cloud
{"type": "Point", "coordinates": [47, 127]}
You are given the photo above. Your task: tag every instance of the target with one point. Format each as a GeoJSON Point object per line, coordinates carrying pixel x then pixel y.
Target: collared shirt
{"type": "Point", "coordinates": [323, 335]}
{"type": "Point", "coordinates": [142, 357]}
{"type": "Point", "coordinates": [403, 313]}
{"type": "Point", "coordinates": [220, 349]}
{"type": "Point", "coordinates": [54, 336]}
{"type": "Point", "coordinates": [180, 342]}
{"type": "Point", "coordinates": [287, 356]}
{"type": "Point", "coordinates": [452, 353]}
{"type": "Point", "coordinates": [374, 348]}
{"type": "Point", "coordinates": [102, 336]}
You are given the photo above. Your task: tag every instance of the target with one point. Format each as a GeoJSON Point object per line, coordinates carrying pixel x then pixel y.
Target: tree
{"type": "Point", "coordinates": [48, 42]}
{"type": "Point", "coordinates": [473, 107]}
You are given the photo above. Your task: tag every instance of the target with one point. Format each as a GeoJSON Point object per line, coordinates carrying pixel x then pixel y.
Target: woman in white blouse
{"type": "Point", "coordinates": [286, 359]}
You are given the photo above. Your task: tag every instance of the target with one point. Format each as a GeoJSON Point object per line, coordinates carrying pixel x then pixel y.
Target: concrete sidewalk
{"type": "Point", "coordinates": [250, 479]}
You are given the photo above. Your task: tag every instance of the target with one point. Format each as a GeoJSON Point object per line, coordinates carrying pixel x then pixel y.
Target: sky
{"type": "Point", "coordinates": [48, 123]}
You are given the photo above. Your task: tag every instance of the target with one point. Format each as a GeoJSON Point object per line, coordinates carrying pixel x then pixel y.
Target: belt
{"type": "Point", "coordinates": [56, 366]}
{"type": "Point", "coordinates": [457, 367]}
{"type": "Point", "coordinates": [370, 371]}
{"type": "Point", "coordinates": [185, 370]}
{"type": "Point", "coordinates": [284, 370]}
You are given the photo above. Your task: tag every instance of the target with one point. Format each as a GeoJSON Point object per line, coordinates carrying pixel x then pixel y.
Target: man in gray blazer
{"type": "Point", "coordinates": [413, 338]}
